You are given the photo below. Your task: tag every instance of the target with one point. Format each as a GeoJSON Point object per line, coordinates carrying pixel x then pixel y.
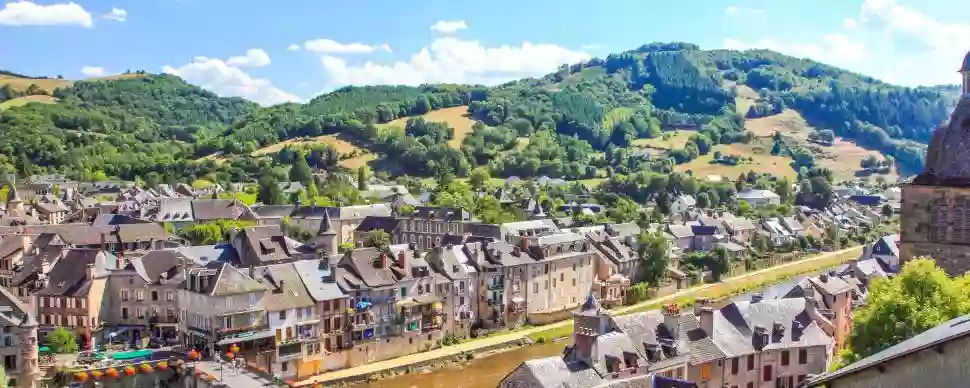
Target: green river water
{"type": "Point", "coordinates": [484, 372]}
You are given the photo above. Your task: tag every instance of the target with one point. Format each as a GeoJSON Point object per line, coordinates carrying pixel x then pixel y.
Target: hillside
{"type": "Point", "coordinates": [578, 122]}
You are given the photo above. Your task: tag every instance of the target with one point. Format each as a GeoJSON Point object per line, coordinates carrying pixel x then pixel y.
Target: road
{"type": "Point", "coordinates": [478, 344]}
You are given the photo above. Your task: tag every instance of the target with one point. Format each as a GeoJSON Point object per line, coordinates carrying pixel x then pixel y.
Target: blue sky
{"type": "Point", "coordinates": [275, 51]}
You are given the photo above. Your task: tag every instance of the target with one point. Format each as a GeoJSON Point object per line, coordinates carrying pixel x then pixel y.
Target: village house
{"type": "Point", "coordinates": [18, 336]}
{"type": "Point", "coordinates": [331, 307]}
{"type": "Point", "coordinates": [221, 306]}
{"type": "Point", "coordinates": [142, 298]}
{"type": "Point", "coordinates": [70, 293]}
{"type": "Point", "coordinates": [344, 220]}
{"type": "Point", "coordinates": [758, 198]}
{"type": "Point", "coordinates": [463, 288]}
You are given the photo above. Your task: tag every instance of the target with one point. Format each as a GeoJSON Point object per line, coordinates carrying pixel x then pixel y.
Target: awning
{"type": "Point", "coordinates": [419, 300]}
{"type": "Point", "coordinates": [247, 337]}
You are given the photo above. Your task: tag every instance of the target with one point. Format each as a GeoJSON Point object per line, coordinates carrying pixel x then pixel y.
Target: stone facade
{"type": "Point", "coordinates": [935, 222]}
{"type": "Point", "coordinates": [943, 366]}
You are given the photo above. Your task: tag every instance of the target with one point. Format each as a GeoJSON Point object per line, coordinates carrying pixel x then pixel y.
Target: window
{"type": "Point", "coordinates": [279, 335]}
{"type": "Point", "coordinates": [10, 362]}
{"type": "Point", "coordinates": [802, 356]}
{"type": "Point", "coordinates": [282, 314]}
{"type": "Point", "coordinates": [734, 366]}
{"type": "Point", "coordinates": [546, 269]}
{"type": "Point", "coordinates": [706, 372]}
{"type": "Point", "coordinates": [749, 385]}
{"type": "Point", "coordinates": [535, 288]}
{"type": "Point", "coordinates": [308, 311]}
{"type": "Point", "coordinates": [154, 296]}
{"type": "Point", "coordinates": [124, 313]}
{"type": "Point", "coordinates": [170, 296]}
{"type": "Point", "coordinates": [750, 362]}
{"type": "Point", "coordinates": [553, 282]}
{"type": "Point", "coordinates": [284, 366]}
{"type": "Point", "coordinates": [139, 295]}
{"type": "Point", "coordinates": [299, 313]}
{"type": "Point", "coordinates": [574, 282]}
{"type": "Point", "coordinates": [562, 277]}
{"type": "Point", "coordinates": [766, 373]}
{"type": "Point", "coordinates": [784, 358]}
{"type": "Point", "coordinates": [404, 292]}
{"type": "Point", "coordinates": [124, 295]}
{"type": "Point", "coordinates": [83, 303]}
{"type": "Point", "coordinates": [801, 378]}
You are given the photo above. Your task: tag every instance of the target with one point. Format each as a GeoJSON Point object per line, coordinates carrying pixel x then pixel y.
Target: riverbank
{"type": "Point", "coordinates": [731, 286]}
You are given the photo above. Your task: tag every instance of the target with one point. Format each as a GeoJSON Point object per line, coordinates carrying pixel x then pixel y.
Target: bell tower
{"type": "Point", "coordinates": [965, 77]}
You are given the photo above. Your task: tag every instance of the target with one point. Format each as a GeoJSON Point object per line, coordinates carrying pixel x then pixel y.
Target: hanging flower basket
{"type": "Point", "coordinates": [130, 371]}
{"type": "Point", "coordinates": [234, 348]}
{"type": "Point", "coordinates": [163, 365]}
{"type": "Point", "coordinates": [145, 367]}
{"type": "Point", "coordinates": [80, 377]}
{"type": "Point", "coordinates": [112, 373]}
{"type": "Point", "coordinates": [96, 374]}
{"type": "Point", "coordinates": [230, 356]}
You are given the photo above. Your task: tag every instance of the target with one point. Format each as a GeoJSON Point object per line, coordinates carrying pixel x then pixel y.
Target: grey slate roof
{"type": "Point", "coordinates": [954, 329]}
{"type": "Point", "coordinates": [217, 209]}
{"type": "Point", "coordinates": [680, 231]}
{"type": "Point", "coordinates": [735, 323]}
{"type": "Point", "coordinates": [285, 289]}
{"type": "Point", "coordinates": [313, 274]}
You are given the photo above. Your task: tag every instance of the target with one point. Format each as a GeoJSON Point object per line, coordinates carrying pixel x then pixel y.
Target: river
{"type": "Point", "coordinates": [487, 372]}
{"type": "Point", "coordinates": [484, 372]}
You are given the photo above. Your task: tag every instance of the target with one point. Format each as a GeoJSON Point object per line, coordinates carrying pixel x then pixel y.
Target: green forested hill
{"type": "Point", "coordinates": [578, 120]}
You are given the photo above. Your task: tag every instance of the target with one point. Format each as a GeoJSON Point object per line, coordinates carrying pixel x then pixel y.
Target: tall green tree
{"type": "Point", "coordinates": [269, 191]}
{"type": "Point", "coordinates": [62, 341]}
{"type": "Point", "coordinates": [300, 170]}
{"type": "Point", "coordinates": [362, 178]}
{"type": "Point", "coordinates": [921, 297]}
{"type": "Point", "coordinates": [655, 257]}
{"type": "Point", "coordinates": [377, 238]}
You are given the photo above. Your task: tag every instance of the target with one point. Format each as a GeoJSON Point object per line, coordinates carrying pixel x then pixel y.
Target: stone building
{"type": "Point", "coordinates": [936, 358]}
{"type": "Point", "coordinates": [18, 342]}
{"type": "Point", "coordinates": [935, 219]}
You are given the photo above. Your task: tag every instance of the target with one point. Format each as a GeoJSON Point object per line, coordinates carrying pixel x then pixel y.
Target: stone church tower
{"type": "Point", "coordinates": [935, 219]}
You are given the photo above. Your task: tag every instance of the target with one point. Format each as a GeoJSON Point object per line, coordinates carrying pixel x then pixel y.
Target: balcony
{"type": "Point", "coordinates": [360, 326]}
{"type": "Point", "coordinates": [289, 352]}
{"type": "Point", "coordinates": [302, 338]}
{"type": "Point", "coordinates": [240, 331]}
{"type": "Point", "coordinates": [430, 326]}
{"type": "Point", "coordinates": [163, 319]}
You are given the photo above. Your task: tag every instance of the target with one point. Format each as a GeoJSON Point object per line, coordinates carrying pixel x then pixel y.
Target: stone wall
{"type": "Point", "coordinates": [944, 366]}
{"type": "Point", "coordinates": [935, 222]}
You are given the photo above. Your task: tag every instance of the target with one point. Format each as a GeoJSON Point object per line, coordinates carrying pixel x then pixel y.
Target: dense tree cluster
{"type": "Point", "coordinates": [582, 118]}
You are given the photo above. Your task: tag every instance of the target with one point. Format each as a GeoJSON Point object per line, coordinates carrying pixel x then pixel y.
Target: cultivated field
{"type": "Point", "coordinates": [745, 98]}
{"type": "Point", "coordinates": [666, 141]}
{"type": "Point", "coordinates": [456, 117]}
{"type": "Point", "coordinates": [763, 162]}
{"type": "Point", "coordinates": [21, 84]}
{"type": "Point", "coordinates": [343, 147]}
{"type": "Point", "coordinates": [20, 101]}
{"type": "Point", "coordinates": [843, 157]}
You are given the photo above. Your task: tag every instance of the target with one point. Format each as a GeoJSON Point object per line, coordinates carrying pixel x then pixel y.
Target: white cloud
{"type": "Point", "coordinates": [253, 58]}
{"type": "Point", "coordinates": [92, 71]}
{"type": "Point", "coordinates": [27, 13]}
{"type": "Point", "coordinates": [886, 40]}
{"type": "Point", "coordinates": [225, 79]}
{"type": "Point", "coordinates": [293, 47]}
{"type": "Point", "coordinates": [116, 14]}
{"type": "Point", "coordinates": [733, 10]}
{"type": "Point", "coordinates": [330, 46]}
{"type": "Point", "coordinates": [834, 49]}
{"type": "Point", "coordinates": [453, 60]}
{"type": "Point", "coordinates": [449, 26]}
{"type": "Point", "coordinates": [850, 24]}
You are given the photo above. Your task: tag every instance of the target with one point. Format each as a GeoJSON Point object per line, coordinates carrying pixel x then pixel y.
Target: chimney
{"type": "Point", "coordinates": [89, 271]}
{"type": "Point", "coordinates": [45, 265]}
{"type": "Point", "coordinates": [700, 303]}
{"type": "Point", "coordinates": [382, 260]}
{"type": "Point", "coordinates": [707, 320]}
{"type": "Point", "coordinates": [402, 259]}
{"type": "Point", "coordinates": [153, 244]}
{"type": "Point", "coordinates": [824, 277]}
{"type": "Point", "coordinates": [757, 297]}
{"type": "Point", "coordinates": [28, 241]}
{"type": "Point", "coordinates": [120, 260]}
{"type": "Point", "coordinates": [525, 243]}
{"type": "Point", "coordinates": [671, 313]}
{"type": "Point", "coordinates": [515, 251]}
{"type": "Point", "coordinates": [104, 242]}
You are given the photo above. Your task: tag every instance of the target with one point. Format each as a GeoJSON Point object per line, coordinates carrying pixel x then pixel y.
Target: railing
{"type": "Point", "coordinates": [430, 327]}
{"type": "Point", "coordinates": [298, 339]}
{"type": "Point", "coordinates": [242, 329]}
{"type": "Point", "coordinates": [360, 326]}
{"type": "Point", "coordinates": [163, 319]}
